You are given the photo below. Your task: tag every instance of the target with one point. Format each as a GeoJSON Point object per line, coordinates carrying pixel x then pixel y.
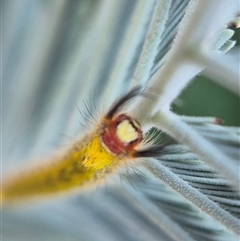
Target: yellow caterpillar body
{"type": "Point", "coordinates": [83, 164]}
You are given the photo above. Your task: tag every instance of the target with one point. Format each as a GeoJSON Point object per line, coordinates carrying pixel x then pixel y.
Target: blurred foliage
{"type": "Point", "coordinates": [205, 98]}
{"type": "Point", "coordinates": [236, 36]}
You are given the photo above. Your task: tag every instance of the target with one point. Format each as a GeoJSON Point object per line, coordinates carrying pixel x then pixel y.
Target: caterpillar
{"type": "Point", "coordinates": [117, 140]}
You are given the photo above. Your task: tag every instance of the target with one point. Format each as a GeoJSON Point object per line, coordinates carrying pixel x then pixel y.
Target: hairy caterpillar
{"type": "Point", "coordinates": [115, 141]}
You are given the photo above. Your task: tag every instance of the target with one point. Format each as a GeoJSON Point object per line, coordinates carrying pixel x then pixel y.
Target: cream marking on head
{"type": "Point", "coordinates": [126, 132]}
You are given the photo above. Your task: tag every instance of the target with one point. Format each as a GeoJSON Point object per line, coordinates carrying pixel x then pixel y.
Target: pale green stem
{"type": "Point", "coordinates": [224, 69]}
{"type": "Point", "coordinates": [169, 81]}
{"type": "Point", "coordinates": [193, 195]}
{"type": "Point", "coordinates": [184, 134]}
{"type": "Point", "coordinates": [155, 214]}
{"type": "Point", "coordinates": [152, 41]}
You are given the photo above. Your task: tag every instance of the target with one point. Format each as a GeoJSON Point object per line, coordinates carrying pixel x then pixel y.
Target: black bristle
{"type": "Point", "coordinates": [123, 100]}
{"type": "Point", "coordinates": [153, 151]}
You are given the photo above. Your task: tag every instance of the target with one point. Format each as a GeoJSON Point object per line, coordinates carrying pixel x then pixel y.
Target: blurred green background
{"type": "Point", "coordinates": [205, 98]}
{"type": "Point", "coordinates": [198, 100]}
